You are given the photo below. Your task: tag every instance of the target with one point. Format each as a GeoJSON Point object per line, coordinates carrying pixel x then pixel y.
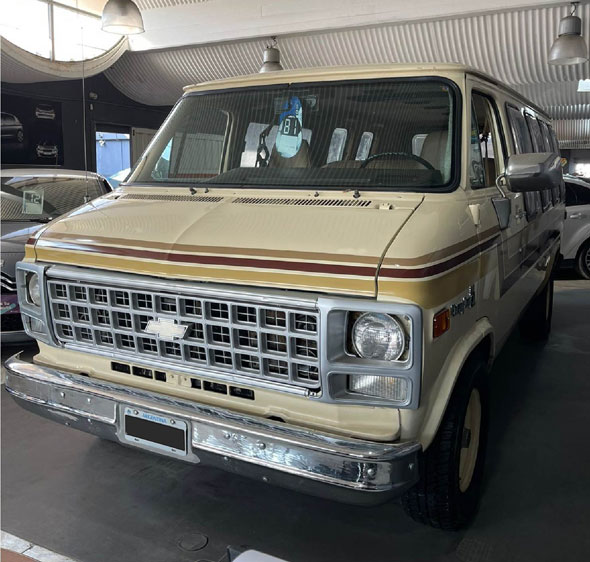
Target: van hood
{"type": "Point", "coordinates": [329, 242]}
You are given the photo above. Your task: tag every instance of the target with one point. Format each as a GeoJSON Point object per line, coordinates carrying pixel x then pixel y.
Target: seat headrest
{"type": "Point", "coordinates": [300, 160]}
{"type": "Point", "coordinates": [434, 148]}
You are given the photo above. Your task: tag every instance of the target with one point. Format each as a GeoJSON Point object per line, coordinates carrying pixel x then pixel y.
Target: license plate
{"type": "Point", "coordinates": [155, 431]}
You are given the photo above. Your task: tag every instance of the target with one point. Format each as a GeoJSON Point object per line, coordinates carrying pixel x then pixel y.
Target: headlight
{"type": "Point", "coordinates": [33, 289]}
{"type": "Point", "coordinates": [378, 336]}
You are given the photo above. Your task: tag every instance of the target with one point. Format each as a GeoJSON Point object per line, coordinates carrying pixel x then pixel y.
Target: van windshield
{"type": "Point", "coordinates": [353, 135]}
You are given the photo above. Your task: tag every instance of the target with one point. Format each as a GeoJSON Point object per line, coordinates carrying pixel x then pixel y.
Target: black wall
{"type": "Point", "coordinates": [111, 107]}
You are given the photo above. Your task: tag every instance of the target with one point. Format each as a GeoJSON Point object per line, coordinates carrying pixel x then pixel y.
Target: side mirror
{"type": "Point", "coordinates": [533, 172]}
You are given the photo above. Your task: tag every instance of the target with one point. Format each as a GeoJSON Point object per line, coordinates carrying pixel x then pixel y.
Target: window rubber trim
{"type": "Point", "coordinates": [451, 186]}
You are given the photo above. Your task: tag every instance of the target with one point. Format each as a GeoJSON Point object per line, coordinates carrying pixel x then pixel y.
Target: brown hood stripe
{"type": "Point", "coordinates": [216, 250]}
{"type": "Point", "coordinates": [308, 267]}
{"type": "Point", "coordinates": [437, 268]}
{"type": "Point", "coordinates": [266, 253]}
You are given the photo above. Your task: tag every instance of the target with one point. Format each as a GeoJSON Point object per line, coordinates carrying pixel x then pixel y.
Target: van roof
{"type": "Point", "coordinates": [364, 71]}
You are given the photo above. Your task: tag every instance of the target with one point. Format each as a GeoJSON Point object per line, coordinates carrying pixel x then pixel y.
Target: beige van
{"type": "Point", "coordinates": [305, 280]}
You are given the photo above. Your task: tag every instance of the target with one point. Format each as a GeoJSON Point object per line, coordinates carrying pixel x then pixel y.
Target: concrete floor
{"type": "Point", "coordinates": [96, 501]}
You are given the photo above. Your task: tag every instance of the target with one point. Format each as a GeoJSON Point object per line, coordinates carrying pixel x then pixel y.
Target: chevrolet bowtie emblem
{"type": "Point", "coordinates": [166, 329]}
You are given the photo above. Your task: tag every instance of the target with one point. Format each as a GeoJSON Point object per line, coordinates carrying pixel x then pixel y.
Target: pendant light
{"type": "Point", "coordinates": [271, 58]}
{"type": "Point", "coordinates": [569, 47]}
{"type": "Point", "coordinates": [122, 17]}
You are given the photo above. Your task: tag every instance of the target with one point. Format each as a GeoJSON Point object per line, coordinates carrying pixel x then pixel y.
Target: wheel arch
{"type": "Point", "coordinates": [479, 342]}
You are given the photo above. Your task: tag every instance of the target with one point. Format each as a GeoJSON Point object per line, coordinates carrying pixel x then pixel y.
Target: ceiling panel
{"type": "Point", "coordinates": [511, 46]}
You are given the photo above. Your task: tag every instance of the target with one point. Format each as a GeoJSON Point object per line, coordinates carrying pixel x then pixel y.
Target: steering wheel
{"type": "Point", "coordinates": [399, 155]}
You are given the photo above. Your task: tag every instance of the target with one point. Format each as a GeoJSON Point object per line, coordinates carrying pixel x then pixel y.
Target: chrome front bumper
{"type": "Point", "coordinates": [350, 470]}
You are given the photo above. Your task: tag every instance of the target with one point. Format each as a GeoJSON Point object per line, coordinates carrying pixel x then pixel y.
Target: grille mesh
{"type": "Point", "coordinates": [258, 341]}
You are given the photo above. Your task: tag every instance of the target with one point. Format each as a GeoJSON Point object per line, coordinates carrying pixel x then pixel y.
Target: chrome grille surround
{"type": "Point", "coordinates": [333, 366]}
{"type": "Point", "coordinates": [260, 341]}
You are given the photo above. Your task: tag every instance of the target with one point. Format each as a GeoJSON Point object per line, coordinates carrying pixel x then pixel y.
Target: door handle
{"type": "Point", "coordinates": [520, 214]}
{"type": "Point", "coordinates": [575, 216]}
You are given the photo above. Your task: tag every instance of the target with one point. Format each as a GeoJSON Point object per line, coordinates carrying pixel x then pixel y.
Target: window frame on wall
{"type": "Point", "coordinates": [56, 21]}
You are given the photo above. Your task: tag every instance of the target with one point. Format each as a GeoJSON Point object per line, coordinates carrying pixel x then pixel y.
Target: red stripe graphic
{"type": "Point", "coordinates": [304, 267]}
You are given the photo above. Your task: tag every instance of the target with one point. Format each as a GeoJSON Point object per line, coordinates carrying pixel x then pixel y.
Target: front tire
{"type": "Point", "coordinates": [447, 494]}
{"type": "Point", "coordinates": [583, 260]}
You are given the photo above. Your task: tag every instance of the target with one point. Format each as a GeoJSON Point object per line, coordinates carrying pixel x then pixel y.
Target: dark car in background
{"type": "Point", "coordinates": [12, 129]}
{"type": "Point", "coordinates": [31, 198]}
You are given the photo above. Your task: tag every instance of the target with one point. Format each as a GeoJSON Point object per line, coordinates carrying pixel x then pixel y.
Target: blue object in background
{"type": "Point", "coordinates": [113, 153]}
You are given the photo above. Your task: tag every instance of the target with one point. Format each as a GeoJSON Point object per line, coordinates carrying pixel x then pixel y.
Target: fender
{"type": "Point", "coordinates": [442, 389]}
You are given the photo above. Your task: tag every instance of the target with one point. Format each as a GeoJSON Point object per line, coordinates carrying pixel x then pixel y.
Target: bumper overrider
{"type": "Point", "coordinates": [350, 470]}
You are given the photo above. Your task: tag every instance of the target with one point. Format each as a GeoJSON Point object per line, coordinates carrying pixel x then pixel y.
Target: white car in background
{"type": "Point", "coordinates": [575, 242]}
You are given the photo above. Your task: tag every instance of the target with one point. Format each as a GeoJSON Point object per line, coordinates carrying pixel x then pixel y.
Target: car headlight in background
{"type": "Point", "coordinates": [390, 388]}
{"type": "Point", "coordinates": [33, 289]}
{"type": "Point", "coordinates": [378, 336]}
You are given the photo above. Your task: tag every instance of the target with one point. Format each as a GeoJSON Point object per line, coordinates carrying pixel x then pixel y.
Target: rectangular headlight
{"type": "Point", "coordinates": [389, 388]}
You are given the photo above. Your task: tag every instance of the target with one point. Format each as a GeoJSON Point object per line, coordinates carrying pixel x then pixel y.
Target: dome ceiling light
{"type": "Point", "coordinates": [569, 47]}
{"type": "Point", "coordinates": [271, 58]}
{"type": "Point", "coordinates": [122, 17]}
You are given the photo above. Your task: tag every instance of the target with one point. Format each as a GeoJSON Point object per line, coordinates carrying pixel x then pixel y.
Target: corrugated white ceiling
{"type": "Point", "coordinates": [511, 46]}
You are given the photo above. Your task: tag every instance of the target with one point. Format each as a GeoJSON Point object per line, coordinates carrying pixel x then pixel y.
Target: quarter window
{"type": "Point", "coordinates": [546, 137]}
{"type": "Point", "coordinates": [536, 135]}
{"type": "Point", "coordinates": [484, 144]}
{"type": "Point", "coordinates": [520, 132]}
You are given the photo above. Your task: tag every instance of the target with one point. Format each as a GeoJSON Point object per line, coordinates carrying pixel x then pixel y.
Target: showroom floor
{"type": "Point", "coordinates": [96, 501]}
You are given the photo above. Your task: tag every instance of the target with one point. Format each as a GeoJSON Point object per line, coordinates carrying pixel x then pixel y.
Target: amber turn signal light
{"type": "Point", "coordinates": [441, 322]}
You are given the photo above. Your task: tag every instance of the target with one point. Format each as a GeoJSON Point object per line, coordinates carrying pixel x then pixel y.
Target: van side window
{"type": "Point", "coordinates": [546, 137]}
{"type": "Point", "coordinates": [553, 137]}
{"type": "Point", "coordinates": [535, 131]}
{"type": "Point", "coordinates": [484, 144]}
{"type": "Point", "coordinates": [520, 132]}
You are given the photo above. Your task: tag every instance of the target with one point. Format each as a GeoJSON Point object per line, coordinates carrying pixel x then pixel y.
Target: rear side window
{"type": "Point", "coordinates": [546, 137]}
{"type": "Point", "coordinates": [520, 131]}
{"type": "Point", "coordinates": [536, 135]}
{"type": "Point", "coordinates": [553, 138]}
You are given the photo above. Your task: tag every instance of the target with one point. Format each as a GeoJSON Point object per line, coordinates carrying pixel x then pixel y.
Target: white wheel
{"type": "Point", "coordinates": [470, 445]}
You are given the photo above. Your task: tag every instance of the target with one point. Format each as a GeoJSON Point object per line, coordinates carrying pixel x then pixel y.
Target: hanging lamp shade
{"type": "Point", "coordinates": [271, 60]}
{"type": "Point", "coordinates": [122, 17]}
{"type": "Point", "coordinates": [569, 47]}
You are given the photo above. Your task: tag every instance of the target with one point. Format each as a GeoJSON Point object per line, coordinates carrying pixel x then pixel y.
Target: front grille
{"type": "Point", "coordinates": [260, 341]}
{"type": "Point", "coordinates": [7, 282]}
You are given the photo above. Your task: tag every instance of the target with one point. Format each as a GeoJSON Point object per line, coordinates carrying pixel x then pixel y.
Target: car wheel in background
{"type": "Point", "coordinates": [583, 260]}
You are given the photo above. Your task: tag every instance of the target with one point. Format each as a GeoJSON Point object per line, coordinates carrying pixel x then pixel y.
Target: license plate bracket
{"type": "Point", "coordinates": [155, 431]}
